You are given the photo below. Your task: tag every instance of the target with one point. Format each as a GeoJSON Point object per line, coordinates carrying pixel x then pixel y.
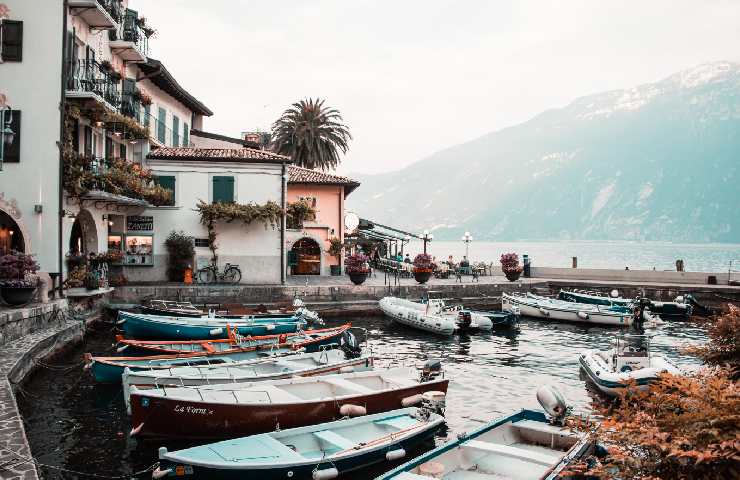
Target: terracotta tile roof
{"type": "Point", "coordinates": [217, 154]}
{"type": "Point", "coordinates": [305, 175]}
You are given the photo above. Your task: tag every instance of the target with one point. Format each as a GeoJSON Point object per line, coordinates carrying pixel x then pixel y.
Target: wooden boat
{"type": "Point", "coordinates": [559, 310]}
{"type": "Point", "coordinates": [630, 360]}
{"type": "Point", "coordinates": [321, 451]}
{"type": "Point", "coordinates": [678, 308]}
{"type": "Point", "coordinates": [139, 325]}
{"type": "Point", "coordinates": [299, 365]}
{"type": "Point", "coordinates": [171, 308]}
{"type": "Point", "coordinates": [309, 340]}
{"type": "Point", "coordinates": [522, 446]}
{"type": "Point", "coordinates": [232, 410]}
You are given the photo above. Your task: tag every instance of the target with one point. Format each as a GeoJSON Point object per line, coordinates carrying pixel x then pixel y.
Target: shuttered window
{"type": "Point", "coordinates": [168, 182]}
{"type": "Point", "coordinates": [12, 47]}
{"type": "Point", "coordinates": [223, 189]}
{"type": "Point", "coordinates": [161, 125]}
{"type": "Point", "coordinates": [12, 153]}
{"type": "Point", "coordinates": [185, 135]}
{"type": "Point", "coordinates": [123, 151]}
{"type": "Point", "coordinates": [175, 131]}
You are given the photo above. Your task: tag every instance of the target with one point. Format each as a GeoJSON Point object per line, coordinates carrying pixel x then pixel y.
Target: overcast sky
{"type": "Point", "coordinates": [414, 77]}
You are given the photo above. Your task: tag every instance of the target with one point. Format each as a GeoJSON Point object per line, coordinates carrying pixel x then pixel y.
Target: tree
{"type": "Point", "coordinates": [311, 134]}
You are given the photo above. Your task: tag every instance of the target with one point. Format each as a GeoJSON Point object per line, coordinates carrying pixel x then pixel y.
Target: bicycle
{"type": "Point", "coordinates": [210, 274]}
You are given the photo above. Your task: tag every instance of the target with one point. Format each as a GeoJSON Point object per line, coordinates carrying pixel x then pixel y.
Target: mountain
{"type": "Point", "coordinates": [657, 162]}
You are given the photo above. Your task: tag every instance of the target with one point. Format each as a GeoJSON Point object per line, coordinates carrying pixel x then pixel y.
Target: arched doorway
{"type": "Point", "coordinates": [11, 237]}
{"type": "Point", "coordinates": [83, 238]}
{"type": "Point", "coordinates": [307, 254]}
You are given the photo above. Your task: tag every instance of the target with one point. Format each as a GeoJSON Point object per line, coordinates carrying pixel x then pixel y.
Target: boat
{"type": "Point", "coordinates": [234, 410]}
{"type": "Point", "coordinates": [322, 451]}
{"type": "Point", "coordinates": [140, 325]}
{"type": "Point", "coordinates": [110, 369]}
{"type": "Point", "coordinates": [502, 318]}
{"type": "Point", "coordinates": [171, 308]}
{"type": "Point", "coordinates": [433, 316]}
{"type": "Point", "coordinates": [527, 445]}
{"type": "Point", "coordinates": [630, 360]}
{"type": "Point", "coordinates": [560, 310]}
{"type": "Point", "coordinates": [309, 340]}
{"type": "Point", "coordinates": [299, 365]}
{"type": "Point", "coordinates": [678, 308]}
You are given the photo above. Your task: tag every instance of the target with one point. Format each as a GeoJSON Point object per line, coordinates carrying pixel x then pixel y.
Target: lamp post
{"type": "Point", "coordinates": [426, 237]}
{"type": "Point", "coordinates": [467, 238]}
{"type": "Point", "coordinates": [6, 133]}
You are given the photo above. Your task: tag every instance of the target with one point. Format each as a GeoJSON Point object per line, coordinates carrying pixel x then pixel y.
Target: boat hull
{"type": "Point", "coordinates": [538, 309]}
{"type": "Point", "coordinates": [612, 383]}
{"type": "Point", "coordinates": [164, 417]}
{"type": "Point", "coordinates": [501, 320]}
{"type": "Point", "coordinates": [666, 309]}
{"type": "Point", "coordinates": [413, 317]}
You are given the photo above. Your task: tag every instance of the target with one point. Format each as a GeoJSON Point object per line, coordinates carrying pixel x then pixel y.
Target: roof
{"type": "Point", "coordinates": [223, 138]}
{"type": "Point", "coordinates": [249, 155]}
{"type": "Point", "coordinates": [316, 177]}
{"type": "Point", "coordinates": [161, 77]}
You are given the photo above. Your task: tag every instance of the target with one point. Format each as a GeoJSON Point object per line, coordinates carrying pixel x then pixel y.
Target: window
{"type": "Point", "coordinates": [88, 141]}
{"type": "Point", "coordinates": [185, 135]}
{"type": "Point", "coordinates": [311, 201]}
{"type": "Point", "coordinates": [12, 153]}
{"type": "Point", "coordinates": [161, 125]}
{"type": "Point", "coordinates": [12, 47]}
{"type": "Point", "coordinates": [109, 153]}
{"type": "Point", "coordinates": [147, 114]}
{"type": "Point", "coordinates": [175, 131]}
{"type": "Point", "coordinates": [202, 242]}
{"type": "Point", "coordinates": [168, 182]}
{"type": "Point", "coordinates": [123, 151]}
{"type": "Point", "coordinates": [223, 189]}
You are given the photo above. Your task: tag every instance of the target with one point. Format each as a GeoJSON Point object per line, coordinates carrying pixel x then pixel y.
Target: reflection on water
{"type": "Point", "coordinates": [74, 423]}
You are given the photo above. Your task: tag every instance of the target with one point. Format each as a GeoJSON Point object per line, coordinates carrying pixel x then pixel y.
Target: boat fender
{"type": "Point", "coordinates": [157, 473]}
{"type": "Point", "coordinates": [397, 454]}
{"type": "Point", "coordinates": [544, 312]}
{"type": "Point", "coordinates": [350, 410]}
{"type": "Point", "coordinates": [135, 431]}
{"type": "Point", "coordinates": [270, 327]}
{"type": "Point", "coordinates": [625, 368]}
{"type": "Point", "coordinates": [412, 400]}
{"type": "Point", "coordinates": [325, 474]}
{"type": "Point", "coordinates": [347, 369]}
{"type": "Point", "coordinates": [216, 331]}
{"type": "Point", "coordinates": [121, 349]}
{"type": "Point", "coordinates": [583, 315]}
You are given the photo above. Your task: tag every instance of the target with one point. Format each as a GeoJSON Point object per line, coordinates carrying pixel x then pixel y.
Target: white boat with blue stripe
{"type": "Point", "coordinates": [552, 309]}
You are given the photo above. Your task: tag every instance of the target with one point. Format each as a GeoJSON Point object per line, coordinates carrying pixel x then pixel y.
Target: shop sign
{"type": "Point", "coordinates": [139, 223]}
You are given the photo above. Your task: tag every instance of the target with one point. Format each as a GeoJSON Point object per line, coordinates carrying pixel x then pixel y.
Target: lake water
{"type": "Point", "coordinates": [76, 424]}
{"type": "Point", "coordinates": [710, 257]}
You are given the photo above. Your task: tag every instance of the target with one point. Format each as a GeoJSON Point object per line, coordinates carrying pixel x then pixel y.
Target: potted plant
{"type": "Point", "coordinates": [145, 98]}
{"type": "Point", "coordinates": [510, 266]}
{"type": "Point", "coordinates": [335, 250]}
{"type": "Point", "coordinates": [106, 66]}
{"type": "Point", "coordinates": [423, 267]}
{"type": "Point", "coordinates": [180, 255]}
{"type": "Point", "coordinates": [18, 280]}
{"type": "Point", "coordinates": [357, 268]}
{"type": "Point", "coordinates": [115, 76]}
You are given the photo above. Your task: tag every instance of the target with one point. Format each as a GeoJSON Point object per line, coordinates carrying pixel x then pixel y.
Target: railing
{"type": "Point", "coordinates": [114, 9]}
{"type": "Point", "coordinates": [129, 31]}
{"type": "Point", "coordinates": [89, 76]}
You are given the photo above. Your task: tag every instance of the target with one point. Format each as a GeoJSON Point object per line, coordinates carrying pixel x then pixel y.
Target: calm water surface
{"type": "Point", "coordinates": [78, 425]}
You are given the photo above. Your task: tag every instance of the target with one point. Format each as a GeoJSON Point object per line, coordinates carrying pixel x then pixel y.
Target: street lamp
{"type": "Point", "coordinates": [467, 238]}
{"type": "Point", "coordinates": [426, 237]}
{"type": "Point", "coordinates": [6, 132]}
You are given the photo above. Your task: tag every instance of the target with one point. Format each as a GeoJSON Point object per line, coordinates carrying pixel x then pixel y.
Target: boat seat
{"type": "Point", "coordinates": [354, 387]}
{"type": "Point", "coordinates": [508, 451]}
{"type": "Point", "coordinates": [335, 439]}
{"type": "Point", "coordinates": [401, 422]}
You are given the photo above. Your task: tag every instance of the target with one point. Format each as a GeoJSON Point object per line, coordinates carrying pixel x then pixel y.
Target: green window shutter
{"type": "Point", "coordinates": [185, 135]}
{"type": "Point", "coordinates": [12, 46]}
{"type": "Point", "coordinates": [223, 189]}
{"type": "Point", "coordinates": [161, 125]}
{"type": "Point", "coordinates": [147, 114]}
{"type": "Point", "coordinates": [175, 131]}
{"type": "Point", "coordinates": [168, 182]}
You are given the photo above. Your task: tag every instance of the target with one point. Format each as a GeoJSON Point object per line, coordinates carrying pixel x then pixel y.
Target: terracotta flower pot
{"type": "Point", "coordinates": [422, 276]}
{"type": "Point", "coordinates": [17, 295]}
{"type": "Point", "coordinates": [512, 276]}
{"type": "Point", "coordinates": [358, 278]}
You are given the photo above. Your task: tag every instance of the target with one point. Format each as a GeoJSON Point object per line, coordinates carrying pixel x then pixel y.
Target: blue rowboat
{"type": "Point", "coordinates": [139, 325]}
{"type": "Point", "coordinates": [319, 452]}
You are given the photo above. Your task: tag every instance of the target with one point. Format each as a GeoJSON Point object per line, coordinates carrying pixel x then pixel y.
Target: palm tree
{"type": "Point", "coordinates": [311, 134]}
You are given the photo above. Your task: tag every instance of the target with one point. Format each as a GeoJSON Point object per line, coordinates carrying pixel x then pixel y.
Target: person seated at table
{"type": "Point", "coordinates": [407, 259]}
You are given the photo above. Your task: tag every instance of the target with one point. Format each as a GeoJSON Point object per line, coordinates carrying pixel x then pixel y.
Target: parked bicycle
{"type": "Point", "coordinates": [210, 274]}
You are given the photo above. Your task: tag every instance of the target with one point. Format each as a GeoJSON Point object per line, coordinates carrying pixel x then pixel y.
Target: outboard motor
{"type": "Point", "coordinates": [464, 319]}
{"type": "Point", "coordinates": [432, 369]}
{"type": "Point", "coordinates": [639, 314]}
{"type": "Point", "coordinates": [349, 344]}
{"type": "Point", "coordinates": [553, 403]}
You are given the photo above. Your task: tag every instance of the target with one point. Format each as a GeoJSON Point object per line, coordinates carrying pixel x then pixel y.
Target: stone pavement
{"type": "Point", "coordinates": [17, 359]}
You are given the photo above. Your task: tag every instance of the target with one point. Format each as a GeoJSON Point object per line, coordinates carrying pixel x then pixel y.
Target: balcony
{"type": "Point", "coordinates": [87, 80]}
{"type": "Point", "coordinates": [159, 134]}
{"type": "Point", "coordinates": [129, 41]}
{"type": "Point", "coordinates": [98, 14]}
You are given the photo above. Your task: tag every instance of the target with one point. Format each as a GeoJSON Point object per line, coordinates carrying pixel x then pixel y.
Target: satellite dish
{"type": "Point", "coordinates": [351, 221]}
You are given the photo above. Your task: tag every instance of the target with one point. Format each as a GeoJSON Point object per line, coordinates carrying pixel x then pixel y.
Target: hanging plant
{"type": "Point", "coordinates": [105, 66]}
{"type": "Point", "coordinates": [299, 212]}
{"type": "Point", "coordinates": [145, 98]}
{"type": "Point", "coordinates": [115, 76]}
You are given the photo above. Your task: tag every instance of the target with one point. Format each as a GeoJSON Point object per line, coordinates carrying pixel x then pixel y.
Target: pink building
{"type": "Point", "coordinates": [308, 244]}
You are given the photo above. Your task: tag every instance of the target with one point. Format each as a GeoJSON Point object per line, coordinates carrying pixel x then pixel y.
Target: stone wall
{"type": "Point", "coordinates": [17, 322]}
{"type": "Point", "coordinates": [645, 276]}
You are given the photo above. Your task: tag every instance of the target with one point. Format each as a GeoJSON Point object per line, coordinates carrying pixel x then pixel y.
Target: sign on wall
{"type": "Point", "coordinates": [139, 223]}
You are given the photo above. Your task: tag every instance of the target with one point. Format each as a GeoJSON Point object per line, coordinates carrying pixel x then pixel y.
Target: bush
{"type": "Point", "coordinates": [423, 262]}
{"type": "Point", "coordinates": [335, 247]}
{"type": "Point", "coordinates": [510, 263]}
{"type": "Point", "coordinates": [723, 349]}
{"type": "Point", "coordinates": [180, 251]}
{"type": "Point", "coordinates": [18, 270]}
{"type": "Point", "coordinates": [357, 263]}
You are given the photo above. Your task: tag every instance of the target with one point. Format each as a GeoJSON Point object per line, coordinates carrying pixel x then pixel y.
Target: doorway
{"type": "Point", "coordinates": [308, 257]}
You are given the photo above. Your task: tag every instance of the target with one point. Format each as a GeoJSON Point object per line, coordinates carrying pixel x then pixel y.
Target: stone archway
{"type": "Point", "coordinates": [308, 257]}
{"type": "Point", "coordinates": [10, 219]}
{"type": "Point", "coordinates": [83, 238]}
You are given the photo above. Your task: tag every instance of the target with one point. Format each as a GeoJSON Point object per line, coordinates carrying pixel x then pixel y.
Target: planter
{"type": "Point", "coordinates": [358, 278]}
{"type": "Point", "coordinates": [17, 295]}
{"type": "Point", "coordinates": [336, 270]}
{"type": "Point", "coordinates": [512, 276]}
{"type": "Point", "coordinates": [422, 276]}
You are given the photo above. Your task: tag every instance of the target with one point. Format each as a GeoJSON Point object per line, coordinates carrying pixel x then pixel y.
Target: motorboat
{"type": "Point", "coordinates": [433, 316]}
{"type": "Point", "coordinates": [677, 308]}
{"type": "Point", "coordinates": [560, 310]}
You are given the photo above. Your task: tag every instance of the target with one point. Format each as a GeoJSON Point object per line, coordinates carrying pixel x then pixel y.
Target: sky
{"type": "Point", "coordinates": [414, 77]}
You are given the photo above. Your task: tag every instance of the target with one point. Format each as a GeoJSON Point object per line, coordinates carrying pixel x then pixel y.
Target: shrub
{"type": "Point", "coordinates": [335, 247]}
{"type": "Point", "coordinates": [357, 263]}
{"type": "Point", "coordinates": [18, 270]}
{"type": "Point", "coordinates": [180, 251]}
{"type": "Point", "coordinates": [423, 262]}
{"type": "Point", "coordinates": [510, 263]}
{"type": "Point", "coordinates": [723, 349]}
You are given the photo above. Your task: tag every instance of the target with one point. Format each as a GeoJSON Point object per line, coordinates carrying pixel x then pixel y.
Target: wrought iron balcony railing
{"type": "Point", "coordinates": [114, 9]}
{"type": "Point", "coordinates": [89, 76]}
{"type": "Point", "coordinates": [129, 30]}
